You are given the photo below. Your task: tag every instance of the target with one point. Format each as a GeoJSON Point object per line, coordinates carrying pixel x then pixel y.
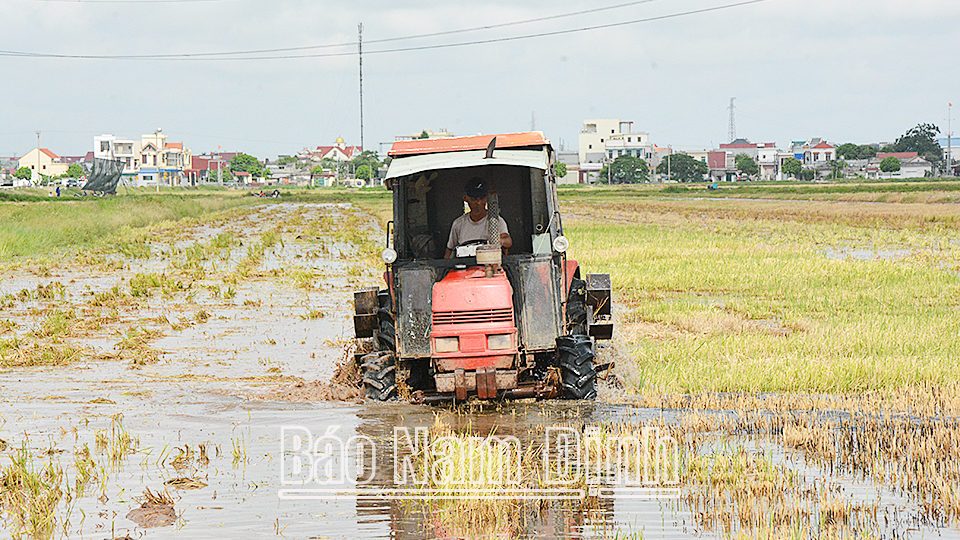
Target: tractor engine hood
{"type": "Point", "coordinates": [468, 290]}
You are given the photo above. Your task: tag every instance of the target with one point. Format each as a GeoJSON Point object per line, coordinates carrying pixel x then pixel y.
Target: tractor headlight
{"type": "Point", "coordinates": [446, 344]}
{"type": "Point", "coordinates": [388, 255]}
{"type": "Point", "coordinates": [499, 342]}
{"type": "Point", "coordinates": [560, 244]}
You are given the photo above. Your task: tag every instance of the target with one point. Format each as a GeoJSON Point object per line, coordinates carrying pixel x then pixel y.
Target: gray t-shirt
{"type": "Point", "coordinates": [464, 229]}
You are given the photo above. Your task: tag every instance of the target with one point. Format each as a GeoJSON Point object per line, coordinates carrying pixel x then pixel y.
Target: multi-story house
{"type": "Point", "coordinates": [127, 150]}
{"type": "Point", "coordinates": [161, 162]}
{"type": "Point", "coordinates": [604, 140]}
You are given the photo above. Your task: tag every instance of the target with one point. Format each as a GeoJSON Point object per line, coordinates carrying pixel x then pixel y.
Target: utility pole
{"type": "Point", "coordinates": [360, 51]}
{"type": "Point", "coordinates": [39, 178]}
{"type": "Point", "coordinates": [949, 140]}
{"type": "Point", "coordinates": [732, 128]}
{"type": "Point", "coordinates": [668, 162]}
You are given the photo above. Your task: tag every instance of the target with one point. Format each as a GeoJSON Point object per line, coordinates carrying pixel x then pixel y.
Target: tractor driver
{"type": "Point", "coordinates": [473, 225]}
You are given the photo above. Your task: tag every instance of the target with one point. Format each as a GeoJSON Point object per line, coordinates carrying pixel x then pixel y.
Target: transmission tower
{"type": "Point", "coordinates": [732, 129]}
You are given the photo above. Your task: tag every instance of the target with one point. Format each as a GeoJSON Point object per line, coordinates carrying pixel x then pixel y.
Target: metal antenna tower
{"type": "Point", "coordinates": [732, 129]}
{"type": "Point", "coordinates": [360, 51]}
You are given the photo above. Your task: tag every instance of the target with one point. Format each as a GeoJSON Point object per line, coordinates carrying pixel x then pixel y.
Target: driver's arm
{"type": "Point", "coordinates": [505, 241]}
{"type": "Point", "coordinates": [452, 240]}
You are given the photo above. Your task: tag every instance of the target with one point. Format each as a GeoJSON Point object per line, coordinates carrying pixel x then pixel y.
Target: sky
{"type": "Point", "coordinates": [845, 70]}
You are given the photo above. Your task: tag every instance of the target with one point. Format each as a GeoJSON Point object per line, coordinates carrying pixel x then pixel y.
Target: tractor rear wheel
{"type": "Point", "coordinates": [576, 367]}
{"type": "Point", "coordinates": [379, 375]}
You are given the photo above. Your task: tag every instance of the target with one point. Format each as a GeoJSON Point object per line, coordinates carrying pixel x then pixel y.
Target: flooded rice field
{"type": "Point", "coordinates": [199, 386]}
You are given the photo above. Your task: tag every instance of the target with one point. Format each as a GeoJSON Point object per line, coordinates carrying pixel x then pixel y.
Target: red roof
{"type": "Point", "coordinates": [824, 145]}
{"type": "Point", "coordinates": [898, 155]}
{"type": "Point", "coordinates": [48, 153]}
{"type": "Point", "coordinates": [241, 173]}
{"type": "Point", "coordinates": [457, 144]}
{"type": "Point", "coordinates": [177, 145]}
{"type": "Point", "coordinates": [349, 151]}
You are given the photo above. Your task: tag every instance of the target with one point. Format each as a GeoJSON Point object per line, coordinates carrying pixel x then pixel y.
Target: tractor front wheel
{"type": "Point", "coordinates": [380, 375]}
{"type": "Point", "coordinates": [576, 367]}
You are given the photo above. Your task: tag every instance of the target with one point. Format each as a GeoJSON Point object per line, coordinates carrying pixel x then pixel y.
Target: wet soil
{"type": "Point", "coordinates": [205, 377]}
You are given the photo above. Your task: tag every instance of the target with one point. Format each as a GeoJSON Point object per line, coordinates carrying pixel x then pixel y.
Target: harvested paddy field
{"type": "Point", "coordinates": [790, 365]}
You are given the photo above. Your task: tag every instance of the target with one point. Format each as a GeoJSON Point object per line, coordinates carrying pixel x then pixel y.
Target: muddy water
{"type": "Point", "coordinates": [197, 409]}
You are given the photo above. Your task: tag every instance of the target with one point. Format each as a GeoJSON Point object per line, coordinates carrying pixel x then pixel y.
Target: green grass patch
{"type": "Point", "coordinates": [44, 227]}
{"type": "Point", "coordinates": [756, 305]}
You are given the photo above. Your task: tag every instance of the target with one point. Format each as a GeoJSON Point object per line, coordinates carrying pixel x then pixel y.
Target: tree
{"type": "Point", "coordinates": [286, 160]}
{"type": "Point", "coordinates": [246, 163]}
{"type": "Point", "coordinates": [683, 168]}
{"type": "Point", "coordinates": [746, 165]}
{"type": "Point", "coordinates": [316, 170]}
{"type": "Point", "coordinates": [213, 175]}
{"type": "Point", "coordinates": [922, 140]}
{"type": "Point", "coordinates": [74, 171]}
{"type": "Point", "coordinates": [424, 135]}
{"type": "Point", "coordinates": [559, 170]}
{"type": "Point", "coordinates": [792, 166]}
{"type": "Point", "coordinates": [626, 169]}
{"type": "Point", "coordinates": [808, 174]}
{"type": "Point", "coordinates": [23, 173]}
{"type": "Point", "coordinates": [368, 158]}
{"type": "Point", "coordinates": [890, 164]}
{"type": "Point", "coordinates": [836, 168]}
{"type": "Point", "coordinates": [363, 172]}
{"type": "Point", "coordinates": [856, 151]}
{"type": "Point", "coordinates": [267, 173]}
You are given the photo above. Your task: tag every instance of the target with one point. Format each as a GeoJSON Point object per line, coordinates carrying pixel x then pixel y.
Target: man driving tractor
{"type": "Point", "coordinates": [473, 224]}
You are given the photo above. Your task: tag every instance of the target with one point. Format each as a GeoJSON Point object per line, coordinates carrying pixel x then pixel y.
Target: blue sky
{"type": "Point", "coordinates": [849, 71]}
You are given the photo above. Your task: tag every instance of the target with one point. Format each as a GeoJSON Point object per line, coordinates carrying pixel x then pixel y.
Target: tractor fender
{"type": "Point", "coordinates": [389, 282]}
{"type": "Point", "coordinates": [570, 270]}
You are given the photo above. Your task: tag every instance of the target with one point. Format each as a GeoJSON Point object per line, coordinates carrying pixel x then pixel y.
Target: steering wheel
{"type": "Point", "coordinates": [476, 242]}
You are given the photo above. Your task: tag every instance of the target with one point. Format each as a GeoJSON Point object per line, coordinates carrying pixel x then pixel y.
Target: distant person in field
{"type": "Point", "coordinates": [473, 224]}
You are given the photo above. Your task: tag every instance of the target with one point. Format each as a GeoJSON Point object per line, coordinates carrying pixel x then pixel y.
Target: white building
{"type": "Point", "coordinates": [110, 147]}
{"type": "Point", "coordinates": [604, 140]}
{"type": "Point", "coordinates": [593, 138]}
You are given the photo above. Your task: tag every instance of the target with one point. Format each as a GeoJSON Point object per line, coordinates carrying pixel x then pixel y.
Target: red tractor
{"type": "Point", "coordinates": [478, 319]}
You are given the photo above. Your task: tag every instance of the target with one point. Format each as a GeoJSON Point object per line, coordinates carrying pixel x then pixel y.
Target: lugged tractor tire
{"type": "Point", "coordinates": [577, 307]}
{"type": "Point", "coordinates": [576, 367]}
{"type": "Point", "coordinates": [379, 375]}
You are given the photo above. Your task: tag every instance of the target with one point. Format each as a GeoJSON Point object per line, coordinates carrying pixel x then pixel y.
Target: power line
{"type": "Point", "coordinates": [128, 1]}
{"type": "Point", "coordinates": [335, 45]}
{"type": "Point", "coordinates": [222, 56]}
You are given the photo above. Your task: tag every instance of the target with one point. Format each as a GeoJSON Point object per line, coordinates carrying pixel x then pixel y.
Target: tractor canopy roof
{"type": "Point", "coordinates": [530, 149]}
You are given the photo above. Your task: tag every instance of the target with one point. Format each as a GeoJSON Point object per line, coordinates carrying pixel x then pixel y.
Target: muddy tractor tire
{"type": "Point", "coordinates": [576, 367]}
{"type": "Point", "coordinates": [379, 375]}
{"type": "Point", "coordinates": [577, 307]}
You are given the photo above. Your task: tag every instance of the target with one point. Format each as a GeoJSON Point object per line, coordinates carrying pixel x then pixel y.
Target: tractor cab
{"type": "Point", "coordinates": [488, 321]}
